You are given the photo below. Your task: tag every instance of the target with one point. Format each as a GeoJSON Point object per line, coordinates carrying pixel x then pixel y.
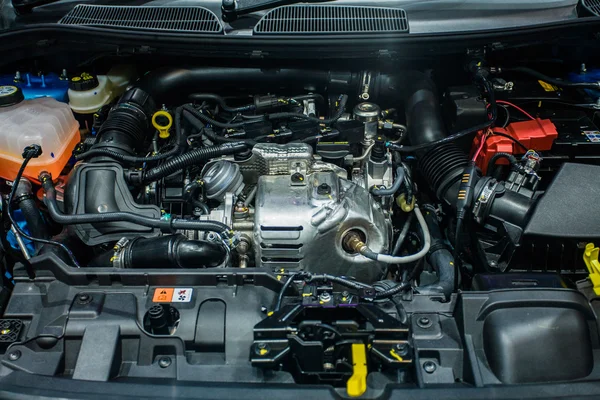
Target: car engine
{"type": "Point", "coordinates": [325, 227]}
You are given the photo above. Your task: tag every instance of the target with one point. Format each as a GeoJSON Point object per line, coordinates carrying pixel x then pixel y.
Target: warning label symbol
{"type": "Point", "coordinates": [172, 295]}
{"type": "Point", "coordinates": [163, 295]}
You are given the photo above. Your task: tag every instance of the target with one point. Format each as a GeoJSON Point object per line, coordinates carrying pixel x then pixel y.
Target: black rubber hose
{"type": "Point", "coordinates": [179, 143]}
{"type": "Point", "coordinates": [492, 163]}
{"type": "Point", "coordinates": [174, 85]}
{"type": "Point", "coordinates": [395, 186]}
{"type": "Point", "coordinates": [28, 155]}
{"type": "Point", "coordinates": [556, 82]}
{"type": "Point", "coordinates": [26, 202]}
{"type": "Point", "coordinates": [190, 158]}
{"type": "Point", "coordinates": [221, 102]}
{"type": "Point", "coordinates": [164, 225]}
{"type": "Point", "coordinates": [190, 117]}
{"type": "Point", "coordinates": [440, 258]}
{"type": "Point", "coordinates": [430, 129]}
{"type": "Point", "coordinates": [174, 251]}
{"type": "Point", "coordinates": [202, 206]}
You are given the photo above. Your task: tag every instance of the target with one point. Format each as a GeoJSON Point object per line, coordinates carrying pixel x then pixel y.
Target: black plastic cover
{"type": "Point", "coordinates": [570, 207]}
{"type": "Point", "coordinates": [100, 188]}
{"type": "Point", "coordinates": [537, 344]}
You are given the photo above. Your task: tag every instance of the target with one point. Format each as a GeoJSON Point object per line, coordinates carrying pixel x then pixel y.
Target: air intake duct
{"type": "Point", "coordinates": [441, 165]}
{"type": "Point", "coordinates": [127, 123]}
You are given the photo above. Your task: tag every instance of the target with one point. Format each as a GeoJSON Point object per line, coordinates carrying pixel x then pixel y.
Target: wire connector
{"type": "Point", "coordinates": [32, 151]}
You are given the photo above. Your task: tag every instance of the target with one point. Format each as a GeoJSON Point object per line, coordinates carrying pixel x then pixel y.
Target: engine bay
{"type": "Point", "coordinates": [349, 228]}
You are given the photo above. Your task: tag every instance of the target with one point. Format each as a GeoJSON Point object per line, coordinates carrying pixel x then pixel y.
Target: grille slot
{"type": "Point", "coordinates": [592, 6]}
{"type": "Point", "coordinates": [173, 19]}
{"type": "Point", "coordinates": [307, 19]}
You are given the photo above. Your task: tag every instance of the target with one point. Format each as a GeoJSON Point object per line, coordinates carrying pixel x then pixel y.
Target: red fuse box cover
{"type": "Point", "coordinates": [537, 134]}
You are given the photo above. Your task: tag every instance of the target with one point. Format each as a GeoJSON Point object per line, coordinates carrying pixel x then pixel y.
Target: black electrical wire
{"type": "Point", "coordinates": [338, 114]}
{"type": "Point", "coordinates": [392, 291]}
{"type": "Point", "coordinates": [552, 81]}
{"type": "Point", "coordinates": [493, 111]}
{"type": "Point", "coordinates": [206, 119]}
{"type": "Point", "coordinates": [285, 286]}
{"type": "Point", "coordinates": [402, 235]}
{"type": "Point", "coordinates": [311, 96]}
{"type": "Point", "coordinates": [196, 123]}
{"type": "Point", "coordinates": [179, 140]}
{"type": "Point", "coordinates": [492, 163]}
{"type": "Point", "coordinates": [221, 102]}
{"type": "Point", "coordinates": [516, 141]}
{"type": "Point", "coordinates": [507, 120]}
{"type": "Point", "coordinates": [28, 156]}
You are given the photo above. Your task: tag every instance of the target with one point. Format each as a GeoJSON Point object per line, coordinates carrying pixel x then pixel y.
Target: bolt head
{"type": "Point", "coordinates": [402, 349]}
{"type": "Point", "coordinates": [84, 298]}
{"type": "Point", "coordinates": [424, 322]}
{"type": "Point", "coordinates": [429, 367]}
{"type": "Point", "coordinates": [14, 355]}
{"type": "Point", "coordinates": [164, 362]}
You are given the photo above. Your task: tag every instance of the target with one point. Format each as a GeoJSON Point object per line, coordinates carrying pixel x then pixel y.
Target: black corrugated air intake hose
{"type": "Point", "coordinates": [441, 165]}
{"type": "Point", "coordinates": [127, 123]}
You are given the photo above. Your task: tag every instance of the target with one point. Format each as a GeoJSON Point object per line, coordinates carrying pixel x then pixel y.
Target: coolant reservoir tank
{"type": "Point", "coordinates": [44, 121]}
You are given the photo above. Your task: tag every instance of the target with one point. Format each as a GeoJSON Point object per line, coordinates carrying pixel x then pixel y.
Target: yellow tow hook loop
{"type": "Point", "coordinates": [357, 384]}
{"type": "Point", "coordinates": [163, 130]}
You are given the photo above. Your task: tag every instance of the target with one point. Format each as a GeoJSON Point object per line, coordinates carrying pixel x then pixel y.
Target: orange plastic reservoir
{"type": "Point", "coordinates": [42, 121]}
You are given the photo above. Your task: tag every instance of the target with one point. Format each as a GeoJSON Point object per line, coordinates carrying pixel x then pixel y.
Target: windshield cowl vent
{"type": "Point", "coordinates": [319, 19]}
{"type": "Point", "coordinates": [593, 6]}
{"type": "Point", "coordinates": [172, 19]}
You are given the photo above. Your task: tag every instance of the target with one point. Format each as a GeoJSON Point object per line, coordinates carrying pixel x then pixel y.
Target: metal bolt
{"type": "Point", "coordinates": [84, 298]}
{"type": "Point", "coordinates": [402, 349]}
{"type": "Point", "coordinates": [424, 322]}
{"type": "Point", "coordinates": [429, 367]}
{"type": "Point", "coordinates": [325, 297]}
{"type": "Point", "coordinates": [15, 355]}
{"type": "Point", "coordinates": [345, 293]}
{"type": "Point", "coordinates": [164, 362]}
{"type": "Point", "coordinates": [262, 349]}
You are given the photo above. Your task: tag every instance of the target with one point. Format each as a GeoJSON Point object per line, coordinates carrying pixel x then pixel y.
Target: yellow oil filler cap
{"type": "Point", "coordinates": [357, 384]}
{"type": "Point", "coordinates": [590, 256]}
{"type": "Point", "coordinates": [162, 121]}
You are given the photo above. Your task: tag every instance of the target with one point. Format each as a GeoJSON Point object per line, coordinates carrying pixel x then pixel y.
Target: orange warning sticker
{"type": "Point", "coordinates": [163, 295]}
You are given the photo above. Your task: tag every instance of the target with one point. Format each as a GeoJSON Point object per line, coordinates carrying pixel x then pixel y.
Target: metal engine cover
{"type": "Point", "coordinates": [300, 227]}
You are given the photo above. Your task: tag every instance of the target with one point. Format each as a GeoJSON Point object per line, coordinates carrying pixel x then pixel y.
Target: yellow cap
{"type": "Point", "coordinates": [404, 206]}
{"type": "Point", "coordinates": [163, 130]}
{"type": "Point", "coordinates": [590, 257]}
{"type": "Point", "coordinates": [357, 384]}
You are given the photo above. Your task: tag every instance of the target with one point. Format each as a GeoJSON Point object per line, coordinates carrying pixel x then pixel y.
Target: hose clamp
{"type": "Point", "coordinates": [484, 201]}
